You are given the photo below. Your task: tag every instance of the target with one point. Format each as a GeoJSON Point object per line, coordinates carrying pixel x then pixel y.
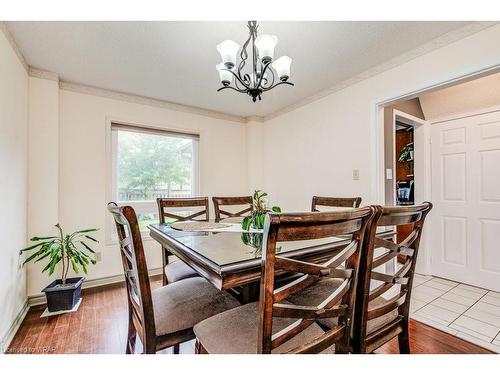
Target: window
{"type": "Point", "coordinates": [149, 164]}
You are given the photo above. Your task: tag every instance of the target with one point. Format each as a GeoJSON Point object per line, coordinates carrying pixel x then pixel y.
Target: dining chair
{"type": "Point", "coordinates": [277, 325]}
{"type": "Point", "coordinates": [334, 202]}
{"type": "Point", "coordinates": [168, 209]}
{"type": "Point", "coordinates": [382, 313]}
{"type": "Point", "coordinates": [220, 212]}
{"type": "Point", "coordinates": [165, 316]}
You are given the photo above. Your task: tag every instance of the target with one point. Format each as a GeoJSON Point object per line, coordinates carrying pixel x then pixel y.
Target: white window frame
{"type": "Point", "coordinates": [142, 206]}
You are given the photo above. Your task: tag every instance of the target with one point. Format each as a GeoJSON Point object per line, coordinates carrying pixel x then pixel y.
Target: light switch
{"type": "Point", "coordinates": [355, 174]}
{"type": "Point", "coordinates": [388, 174]}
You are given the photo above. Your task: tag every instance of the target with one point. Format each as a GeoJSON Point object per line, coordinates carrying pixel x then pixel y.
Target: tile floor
{"type": "Point", "coordinates": [470, 313]}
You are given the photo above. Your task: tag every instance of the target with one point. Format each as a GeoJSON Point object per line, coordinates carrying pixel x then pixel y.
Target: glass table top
{"type": "Point", "coordinates": [227, 248]}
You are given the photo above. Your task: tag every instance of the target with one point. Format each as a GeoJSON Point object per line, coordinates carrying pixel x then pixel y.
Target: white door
{"type": "Point", "coordinates": [465, 240]}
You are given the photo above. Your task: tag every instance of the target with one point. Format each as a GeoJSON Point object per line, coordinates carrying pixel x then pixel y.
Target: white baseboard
{"type": "Point", "coordinates": [11, 332]}
{"type": "Point", "coordinates": [39, 299]}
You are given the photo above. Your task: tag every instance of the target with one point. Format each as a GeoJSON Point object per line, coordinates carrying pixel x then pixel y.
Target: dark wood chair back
{"type": "Point", "coordinates": [220, 211]}
{"type": "Point", "coordinates": [407, 248]}
{"type": "Point", "coordinates": [140, 303]}
{"type": "Point", "coordinates": [334, 202]}
{"type": "Point", "coordinates": [166, 210]}
{"type": "Point", "coordinates": [165, 203]}
{"type": "Point", "coordinates": [343, 265]}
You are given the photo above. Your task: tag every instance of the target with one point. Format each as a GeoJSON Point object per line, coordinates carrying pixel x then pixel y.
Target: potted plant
{"type": "Point", "coordinates": [69, 250]}
{"type": "Point", "coordinates": [406, 155]}
{"type": "Point", "coordinates": [259, 210]}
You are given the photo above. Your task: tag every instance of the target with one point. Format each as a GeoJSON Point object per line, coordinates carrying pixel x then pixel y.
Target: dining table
{"type": "Point", "coordinates": [230, 257]}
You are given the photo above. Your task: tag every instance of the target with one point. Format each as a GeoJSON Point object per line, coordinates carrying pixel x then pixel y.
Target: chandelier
{"type": "Point", "coordinates": [263, 73]}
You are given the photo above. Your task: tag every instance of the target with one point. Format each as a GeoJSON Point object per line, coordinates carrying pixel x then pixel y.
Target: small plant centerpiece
{"type": "Point", "coordinates": [256, 221]}
{"type": "Point", "coordinates": [259, 211]}
{"type": "Point", "coordinates": [71, 250]}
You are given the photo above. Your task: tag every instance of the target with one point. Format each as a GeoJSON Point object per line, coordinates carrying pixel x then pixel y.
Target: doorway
{"type": "Point", "coordinates": [405, 158]}
{"type": "Point", "coordinates": [453, 160]}
{"type": "Point", "coordinates": [456, 166]}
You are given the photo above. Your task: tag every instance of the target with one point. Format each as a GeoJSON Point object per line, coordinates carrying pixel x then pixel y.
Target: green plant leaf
{"type": "Point", "coordinates": [33, 256]}
{"type": "Point", "coordinates": [53, 264]}
{"type": "Point", "coordinates": [84, 267]}
{"type": "Point", "coordinates": [42, 257]}
{"type": "Point", "coordinates": [82, 254]}
{"type": "Point", "coordinates": [33, 246]}
{"type": "Point", "coordinates": [276, 209]}
{"type": "Point", "coordinates": [245, 237]}
{"type": "Point", "coordinates": [46, 267]}
{"type": "Point", "coordinates": [74, 266]}
{"type": "Point", "coordinates": [259, 220]}
{"type": "Point", "coordinates": [60, 230]}
{"type": "Point", "coordinates": [42, 238]}
{"type": "Point", "coordinates": [91, 238]}
{"type": "Point", "coordinates": [87, 247]}
{"type": "Point", "coordinates": [245, 224]}
{"type": "Point", "coordinates": [86, 230]}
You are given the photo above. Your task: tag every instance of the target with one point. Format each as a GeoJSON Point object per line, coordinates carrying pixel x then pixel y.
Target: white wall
{"type": "Point", "coordinates": [13, 182]}
{"type": "Point", "coordinates": [83, 163]}
{"type": "Point", "coordinates": [255, 155]}
{"type": "Point", "coordinates": [43, 183]}
{"type": "Point", "coordinates": [313, 149]}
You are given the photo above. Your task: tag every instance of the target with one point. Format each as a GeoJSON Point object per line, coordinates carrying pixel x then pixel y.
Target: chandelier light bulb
{"type": "Point", "coordinates": [265, 45]}
{"type": "Point", "coordinates": [228, 51]}
{"type": "Point", "coordinates": [282, 67]}
{"type": "Point", "coordinates": [226, 78]}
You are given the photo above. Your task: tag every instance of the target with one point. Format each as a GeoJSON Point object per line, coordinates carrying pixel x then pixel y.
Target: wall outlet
{"type": "Point", "coordinates": [98, 257]}
{"type": "Point", "coordinates": [355, 174]}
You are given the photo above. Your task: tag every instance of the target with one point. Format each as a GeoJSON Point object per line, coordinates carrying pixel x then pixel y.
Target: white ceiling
{"type": "Point", "coordinates": [175, 61]}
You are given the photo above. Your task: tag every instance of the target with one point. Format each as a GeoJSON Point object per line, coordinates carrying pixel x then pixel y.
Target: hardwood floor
{"type": "Point", "coordinates": [100, 326]}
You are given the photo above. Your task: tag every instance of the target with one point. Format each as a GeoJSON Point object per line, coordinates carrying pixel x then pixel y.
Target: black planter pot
{"type": "Point", "coordinates": [63, 297]}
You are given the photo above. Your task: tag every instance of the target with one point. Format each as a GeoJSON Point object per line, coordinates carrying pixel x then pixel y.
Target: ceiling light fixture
{"type": "Point", "coordinates": [264, 72]}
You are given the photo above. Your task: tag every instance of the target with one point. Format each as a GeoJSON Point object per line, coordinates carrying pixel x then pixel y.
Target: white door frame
{"type": "Point", "coordinates": [377, 144]}
{"type": "Point", "coordinates": [421, 138]}
{"type": "Point", "coordinates": [422, 176]}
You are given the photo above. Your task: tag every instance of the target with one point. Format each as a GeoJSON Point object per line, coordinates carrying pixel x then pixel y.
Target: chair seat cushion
{"type": "Point", "coordinates": [318, 292]}
{"type": "Point", "coordinates": [181, 305]}
{"type": "Point", "coordinates": [235, 332]}
{"type": "Point", "coordinates": [178, 270]}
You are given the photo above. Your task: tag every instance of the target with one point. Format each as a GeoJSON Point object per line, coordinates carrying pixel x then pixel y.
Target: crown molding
{"type": "Point", "coordinates": [254, 119]}
{"type": "Point", "coordinates": [439, 42]}
{"type": "Point", "coordinates": [43, 74]}
{"type": "Point", "coordinates": [137, 99]}
{"type": "Point", "coordinates": [14, 46]}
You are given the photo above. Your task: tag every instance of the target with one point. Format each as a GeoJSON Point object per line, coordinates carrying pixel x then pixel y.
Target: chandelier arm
{"type": "Point", "coordinates": [279, 83]}
{"type": "Point", "coordinates": [244, 54]}
{"type": "Point", "coordinates": [268, 85]}
{"type": "Point", "coordinates": [233, 88]}
{"type": "Point", "coordinates": [262, 73]}
{"type": "Point", "coordinates": [237, 85]}
{"type": "Point", "coordinates": [237, 77]}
